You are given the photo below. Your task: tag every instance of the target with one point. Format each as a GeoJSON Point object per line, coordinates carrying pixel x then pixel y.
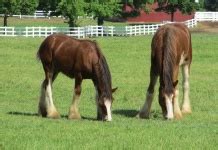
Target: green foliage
{"type": "Point", "coordinates": [48, 5]}
{"type": "Point", "coordinates": [202, 4]}
{"type": "Point", "coordinates": [211, 5]}
{"type": "Point", "coordinates": [28, 7]}
{"type": "Point", "coordinates": [103, 9]}
{"type": "Point", "coordinates": [141, 3]}
{"type": "Point", "coordinates": [9, 7]}
{"type": "Point", "coordinates": [71, 9]}
{"type": "Point", "coordinates": [171, 6]}
{"type": "Point", "coordinates": [129, 62]}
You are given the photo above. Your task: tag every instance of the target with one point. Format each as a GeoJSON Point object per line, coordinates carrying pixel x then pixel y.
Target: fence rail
{"type": "Point", "coordinates": [206, 16]}
{"type": "Point", "coordinates": [37, 14]}
{"type": "Point", "coordinates": [87, 31]}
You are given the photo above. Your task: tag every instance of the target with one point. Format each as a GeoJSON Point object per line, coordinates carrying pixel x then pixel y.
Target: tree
{"type": "Point", "coordinates": [211, 5]}
{"type": "Point", "coordinates": [48, 5]}
{"type": "Point", "coordinates": [71, 9]}
{"type": "Point", "coordinates": [28, 7]}
{"type": "Point", "coordinates": [141, 3]}
{"type": "Point", "coordinates": [9, 7]}
{"type": "Point", "coordinates": [171, 6]}
{"type": "Point", "coordinates": [102, 9]}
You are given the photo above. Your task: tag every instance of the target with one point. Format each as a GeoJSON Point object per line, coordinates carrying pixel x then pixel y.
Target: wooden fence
{"type": "Point", "coordinates": [206, 16]}
{"type": "Point", "coordinates": [87, 31]}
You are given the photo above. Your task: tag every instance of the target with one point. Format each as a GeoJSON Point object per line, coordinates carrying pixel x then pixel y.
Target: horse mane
{"type": "Point", "coordinates": [104, 72]}
{"type": "Point", "coordinates": [169, 60]}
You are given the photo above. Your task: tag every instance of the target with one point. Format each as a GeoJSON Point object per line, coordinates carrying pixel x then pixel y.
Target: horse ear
{"type": "Point", "coordinates": [114, 89]}
{"type": "Point", "coordinates": [175, 83]}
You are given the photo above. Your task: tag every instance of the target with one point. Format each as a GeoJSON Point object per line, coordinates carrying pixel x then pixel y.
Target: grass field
{"type": "Point", "coordinates": [129, 60]}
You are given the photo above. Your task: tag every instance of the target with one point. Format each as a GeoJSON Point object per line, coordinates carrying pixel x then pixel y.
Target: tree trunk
{"type": "Point", "coordinates": [100, 21]}
{"type": "Point", "coordinates": [172, 16]}
{"type": "Point", "coordinates": [5, 20]}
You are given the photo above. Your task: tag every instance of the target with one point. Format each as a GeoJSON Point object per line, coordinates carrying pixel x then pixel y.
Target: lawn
{"type": "Point", "coordinates": [129, 61]}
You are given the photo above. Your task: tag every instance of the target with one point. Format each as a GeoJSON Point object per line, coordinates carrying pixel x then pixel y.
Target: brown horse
{"type": "Point", "coordinates": [79, 59]}
{"type": "Point", "coordinates": [171, 48]}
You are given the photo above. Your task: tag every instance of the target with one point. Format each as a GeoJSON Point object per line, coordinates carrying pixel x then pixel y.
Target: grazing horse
{"type": "Point", "coordinates": [171, 48]}
{"type": "Point", "coordinates": [79, 59]}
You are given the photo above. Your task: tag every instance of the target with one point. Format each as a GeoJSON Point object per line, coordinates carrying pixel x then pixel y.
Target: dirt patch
{"type": "Point", "coordinates": [210, 27]}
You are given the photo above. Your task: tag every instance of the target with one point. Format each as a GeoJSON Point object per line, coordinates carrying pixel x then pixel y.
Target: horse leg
{"type": "Point", "coordinates": [99, 112]}
{"type": "Point", "coordinates": [74, 111]}
{"type": "Point", "coordinates": [145, 110]}
{"type": "Point", "coordinates": [186, 108]}
{"type": "Point", "coordinates": [176, 108]}
{"type": "Point", "coordinates": [46, 105]}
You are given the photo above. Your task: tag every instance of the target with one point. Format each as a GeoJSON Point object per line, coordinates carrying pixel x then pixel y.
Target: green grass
{"type": "Point", "coordinates": [129, 60]}
{"type": "Point", "coordinates": [53, 22]}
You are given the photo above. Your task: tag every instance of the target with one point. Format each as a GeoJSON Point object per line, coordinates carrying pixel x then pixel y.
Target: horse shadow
{"type": "Point", "coordinates": [30, 114]}
{"type": "Point", "coordinates": [126, 112]}
{"type": "Point", "coordinates": [22, 113]}
{"type": "Point", "coordinates": [131, 113]}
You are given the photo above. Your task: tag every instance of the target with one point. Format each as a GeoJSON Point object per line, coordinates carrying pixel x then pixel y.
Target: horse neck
{"type": "Point", "coordinates": [103, 78]}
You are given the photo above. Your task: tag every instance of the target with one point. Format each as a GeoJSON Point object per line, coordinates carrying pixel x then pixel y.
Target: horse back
{"type": "Point", "coordinates": [68, 55]}
{"type": "Point", "coordinates": [174, 38]}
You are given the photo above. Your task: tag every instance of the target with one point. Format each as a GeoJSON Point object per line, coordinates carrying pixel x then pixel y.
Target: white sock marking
{"type": "Point", "coordinates": [107, 103]}
{"type": "Point", "coordinates": [48, 98]}
{"type": "Point", "coordinates": [169, 106]}
{"type": "Point", "coordinates": [186, 101]}
{"type": "Point", "coordinates": [147, 105]}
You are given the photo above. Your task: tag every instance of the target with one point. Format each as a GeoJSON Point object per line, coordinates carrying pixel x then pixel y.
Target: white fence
{"type": "Point", "coordinates": [37, 14]}
{"type": "Point", "coordinates": [88, 31]}
{"type": "Point", "coordinates": [44, 14]}
{"type": "Point", "coordinates": [206, 16]}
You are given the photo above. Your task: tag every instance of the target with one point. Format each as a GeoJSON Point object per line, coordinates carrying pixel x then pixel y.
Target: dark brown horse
{"type": "Point", "coordinates": [171, 48]}
{"type": "Point", "coordinates": [79, 59]}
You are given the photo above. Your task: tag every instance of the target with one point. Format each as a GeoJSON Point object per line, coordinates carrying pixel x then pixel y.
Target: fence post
{"type": "Point", "coordinates": [5, 31]}
{"type": "Point", "coordinates": [102, 31]}
{"type": "Point", "coordinates": [26, 34]}
{"type": "Point", "coordinates": [78, 30]}
{"type": "Point", "coordinates": [91, 31]}
{"type": "Point", "coordinates": [112, 31]}
{"type": "Point", "coordinates": [33, 31]}
{"type": "Point", "coordinates": [149, 29]}
{"type": "Point", "coordinates": [126, 31]}
{"type": "Point", "coordinates": [13, 31]}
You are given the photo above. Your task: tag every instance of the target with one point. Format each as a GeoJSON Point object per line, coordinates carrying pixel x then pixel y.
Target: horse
{"type": "Point", "coordinates": [171, 48]}
{"type": "Point", "coordinates": [78, 59]}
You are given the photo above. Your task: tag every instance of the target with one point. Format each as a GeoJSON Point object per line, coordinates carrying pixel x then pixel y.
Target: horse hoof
{"type": "Point", "coordinates": [54, 115]}
{"type": "Point", "coordinates": [178, 116]}
{"type": "Point", "coordinates": [74, 116]}
{"type": "Point", "coordinates": [142, 115]}
{"type": "Point", "coordinates": [186, 111]}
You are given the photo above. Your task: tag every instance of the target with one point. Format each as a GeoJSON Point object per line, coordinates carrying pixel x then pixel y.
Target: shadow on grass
{"type": "Point", "coordinates": [127, 113]}
{"type": "Point", "coordinates": [36, 114]}
{"type": "Point", "coordinates": [22, 113]}
{"type": "Point", "coordinates": [133, 113]}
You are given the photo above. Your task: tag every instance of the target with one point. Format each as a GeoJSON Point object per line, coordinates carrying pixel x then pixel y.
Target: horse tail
{"type": "Point", "coordinates": [169, 60]}
{"type": "Point", "coordinates": [104, 72]}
